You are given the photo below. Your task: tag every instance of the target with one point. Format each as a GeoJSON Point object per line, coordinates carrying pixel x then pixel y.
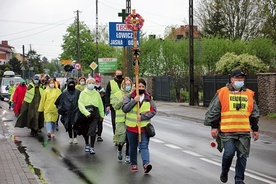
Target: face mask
{"type": "Point", "coordinates": [23, 84]}
{"type": "Point", "coordinates": [239, 84]}
{"type": "Point", "coordinates": [141, 91]}
{"type": "Point", "coordinates": [82, 83]}
{"type": "Point", "coordinates": [71, 87]}
{"type": "Point", "coordinates": [12, 84]}
{"type": "Point", "coordinates": [90, 86]}
{"type": "Point", "coordinates": [52, 85]}
{"type": "Point", "coordinates": [36, 81]}
{"type": "Point", "coordinates": [128, 88]}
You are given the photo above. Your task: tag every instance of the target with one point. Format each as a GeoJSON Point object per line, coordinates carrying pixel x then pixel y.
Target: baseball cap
{"type": "Point", "coordinates": [237, 73]}
{"type": "Point", "coordinates": [97, 79]}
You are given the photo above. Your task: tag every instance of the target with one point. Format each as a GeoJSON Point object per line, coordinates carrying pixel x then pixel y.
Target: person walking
{"type": "Point", "coordinates": [18, 97]}
{"type": "Point", "coordinates": [66, 103]}
{"type": "Point", "coordinates": [29, 116]}
{"type": "Point", "coordinates": [11, 88]}
{"type": "Point", "coordinates": [47, 106]}
{"type": "Point", "coordinates": [81, 84]}
{"type": "Point", "coordinates": [112, 87]}
{"type": "Point", "coordinates": [147, 111]}
{"type": "Point", "coordinates": [101, 90]}
{"type": "Point", "coordinates": [91, 106]}
{"type": "Point", "coordinates": [120, 137]}
{"type": "Point", "coordinates": [232, 114]}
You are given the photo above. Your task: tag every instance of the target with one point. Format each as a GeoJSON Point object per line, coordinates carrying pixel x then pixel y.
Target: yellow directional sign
{"type": "Point", "coordinates": [66, 62]}
{"type": "Point", "coordinates": [93, 65]}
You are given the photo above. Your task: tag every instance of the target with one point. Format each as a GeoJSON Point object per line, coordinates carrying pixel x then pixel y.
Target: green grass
{"type": "Point", "coordinates": [271, 115]}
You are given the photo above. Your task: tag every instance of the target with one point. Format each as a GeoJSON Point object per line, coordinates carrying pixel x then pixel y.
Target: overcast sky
{"type": "Point", "coordinates": [41, 24]}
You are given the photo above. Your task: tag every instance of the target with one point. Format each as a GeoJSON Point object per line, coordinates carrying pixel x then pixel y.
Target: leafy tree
{"type": "Point", "coordinates": [87, 45]}
{"type": "Point", "coordinates": [248, 63]}
{"type": "Point", "coordinates": [241, 18]}
{"type": "Point", "coordinates": [33, 64]}
{"type": "Point", "coordinates": [269, 28]}
{"type": "Point", "coordinates": [51, 66]}
{"type": "Point", "coordinates": [15, 65]}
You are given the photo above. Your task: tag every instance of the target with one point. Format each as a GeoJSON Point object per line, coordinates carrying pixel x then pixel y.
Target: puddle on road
{"type": "Point", "coordinates": [23, 150]}
{"type": "Point", "coordinates": [72, 167]}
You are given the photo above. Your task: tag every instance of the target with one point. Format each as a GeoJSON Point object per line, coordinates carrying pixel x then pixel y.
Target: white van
{"type": "Point", "coordinates": [5, 80]}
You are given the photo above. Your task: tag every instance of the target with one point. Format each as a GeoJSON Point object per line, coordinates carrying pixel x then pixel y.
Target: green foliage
{"type": "Point", "coordinates": [15, 65]}
{"type": "Point", "coordinates": [271, 115]}
{"type": "Point", "coordinates": [248, 63]}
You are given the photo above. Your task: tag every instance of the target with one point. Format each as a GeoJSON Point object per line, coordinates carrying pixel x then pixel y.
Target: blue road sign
{"type": "Point", "coordinates": [119, 35]}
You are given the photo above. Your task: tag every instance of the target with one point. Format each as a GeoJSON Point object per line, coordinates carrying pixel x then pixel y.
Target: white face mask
{"type": "Point", "coordinates": [82, 83]}
{"type": "Point", "coordinates": [52, 85]}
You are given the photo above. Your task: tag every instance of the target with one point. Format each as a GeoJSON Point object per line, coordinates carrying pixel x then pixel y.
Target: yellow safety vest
{"type": "Point", "coordinates": [30, 93]}
{"type": "Point", "coordinates": [131, 116]}
{"type": "Point", "coordinates": [233, 120]}
{"type": "Point", "coordinates": [120, 115]}
{"type": "Point", "coordinates": [113, 89]}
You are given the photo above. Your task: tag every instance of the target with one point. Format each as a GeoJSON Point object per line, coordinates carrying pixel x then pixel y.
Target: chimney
{"type": "Point", "coordinates": [5, 42]}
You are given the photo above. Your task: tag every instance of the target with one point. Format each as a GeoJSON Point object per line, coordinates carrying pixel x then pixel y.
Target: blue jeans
{"type": "Point", "coordinates": [229, 152]}
{"type": "Point", "coordinates": [50, 127]}
{"type": "Point", "coordinates": [143, 145]}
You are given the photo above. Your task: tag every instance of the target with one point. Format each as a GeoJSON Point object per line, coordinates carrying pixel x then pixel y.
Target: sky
{"type": "Point", "coordinates": [41, 24]}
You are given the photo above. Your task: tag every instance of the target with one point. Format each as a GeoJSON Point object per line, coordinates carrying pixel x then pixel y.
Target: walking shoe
{"type": "Point", "coordinates": [75, 141]}
{"type": "Point", "coordinates": [70, 141]}
{"type": "Point", "coordinates": [87, 148]}
{"type": "Point", "coordinates": [127, 159]}
{"type": "Point", "coordinates": [239, 182]}
{"type": "Point", "coordinates": [147, 168]}
{"type": "Point", "coordinates": [119, 155]}
{"type": "Point", "coordinates": [134, 168]}
{"type": "Point", "coordinates": [52, 135]}
{"type": "Point", "coordinates": [99, 139]}
{"type": "Point", "coordinates": [49, 135]}
{"type": "Point", "coordinates": [224, 177]}
{"type": "Point", "coordinates": [92, 151]}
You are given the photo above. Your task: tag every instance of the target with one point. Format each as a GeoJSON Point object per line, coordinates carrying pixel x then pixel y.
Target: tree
{"type": "Point", "coordinates": [241, 19]}
{"type": "Point", "coordinates": [15, 65]}
{"type": "Point", "coordinates": [247, 63]}
{"type": "Point", "coordinates": [87, 45]}
{"type": "Point", "coordinates": [269, 27]}
{"type": "Point", "coordinates": [33, 64]}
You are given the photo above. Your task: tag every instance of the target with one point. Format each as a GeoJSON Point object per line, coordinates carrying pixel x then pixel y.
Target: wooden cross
{"type": "Point", "coordinates": [123, 14]}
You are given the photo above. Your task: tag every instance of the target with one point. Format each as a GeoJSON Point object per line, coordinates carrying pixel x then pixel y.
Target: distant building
{"type": "Point", "coordinates": [5, 52]}
{"type": "Point", "coordinates": [183, 32]}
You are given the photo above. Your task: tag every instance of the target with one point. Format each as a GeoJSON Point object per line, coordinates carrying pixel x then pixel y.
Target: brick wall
{"type": "Point", "coordinates": [267, 92]}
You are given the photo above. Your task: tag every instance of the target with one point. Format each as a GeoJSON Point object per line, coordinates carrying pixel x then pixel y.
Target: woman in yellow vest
{"type": "Point", "coordinates": [147, 111]}
{"type": "Point", "coordinates": [120, 133]}
{"type": "Point", "coordinates": [48, 107]}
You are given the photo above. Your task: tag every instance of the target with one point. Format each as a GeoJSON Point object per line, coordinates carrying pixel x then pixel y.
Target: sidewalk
{"type": "Point", "coordinates": [267, 126]}
{"type": "Point", "coordinates": [13, 167]}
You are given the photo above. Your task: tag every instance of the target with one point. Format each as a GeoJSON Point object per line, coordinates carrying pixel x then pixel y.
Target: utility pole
{"type": "Point", "coordinates": [129, 57]}
{"type": "Point", "coordinates": [78, 37]}
{"type": "Point", "coordinates": [97, 35]}
{"type": "Point", "coordinates": [191, 53]}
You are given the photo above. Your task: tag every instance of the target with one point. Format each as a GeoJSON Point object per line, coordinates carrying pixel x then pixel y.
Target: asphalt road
{"type": "Point", "coordinates": [180, 154]}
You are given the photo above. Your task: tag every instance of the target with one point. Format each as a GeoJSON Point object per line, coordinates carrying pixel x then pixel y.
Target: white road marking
{"type": "Point", "coordinates": [172, 146]}
{"type": "Point", "coordinates": [156, 140]}
{"type": "Point", "coordinates": [192, 153]}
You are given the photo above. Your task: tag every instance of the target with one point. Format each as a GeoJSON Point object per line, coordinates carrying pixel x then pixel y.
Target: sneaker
{"type": "Point", "coordinates": [87, 148]}
{"type": "Point", "coordinates": [127, 160]}
{"type": "Point", "coordinates": [92, 151]}
{"type": "Point", "coordinates": [49, 135]}
{"type": "Point", "coordinates": [99, 139]}
{"type": "Point", "coordinates": [70, 141]}
{"type": "Point", "coordinates": [134, 168]}
{"type": "Point", "coordinates": [147, 168]}
{"type": "Point", "coordinates": [75, 141]}
{"type": "Point", "coordinates": [119, 155]}
{"type": "Point", "coordinates": [223, 177]}
{"type": "Point", "coordinates": [52, 135]}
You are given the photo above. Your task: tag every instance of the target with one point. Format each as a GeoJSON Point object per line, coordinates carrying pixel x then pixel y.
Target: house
{"type": "Point", "coordinates": [183, 32]}
{"type": "Point", "coordinates": [5, 52]}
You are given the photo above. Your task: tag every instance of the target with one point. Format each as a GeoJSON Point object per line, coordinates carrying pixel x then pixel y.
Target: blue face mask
{"type": "Point", "coordinates": [239, 84]}
{"type": "Point", "coordinates": [128, 88]}
{"type": "Point", "coordinates": [36, 81]}
{"type": "Point", "coordinates": [90, 86]}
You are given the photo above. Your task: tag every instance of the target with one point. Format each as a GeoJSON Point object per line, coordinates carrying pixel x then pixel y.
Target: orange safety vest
{"type": "Point", "coordinates": [233, 120]}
